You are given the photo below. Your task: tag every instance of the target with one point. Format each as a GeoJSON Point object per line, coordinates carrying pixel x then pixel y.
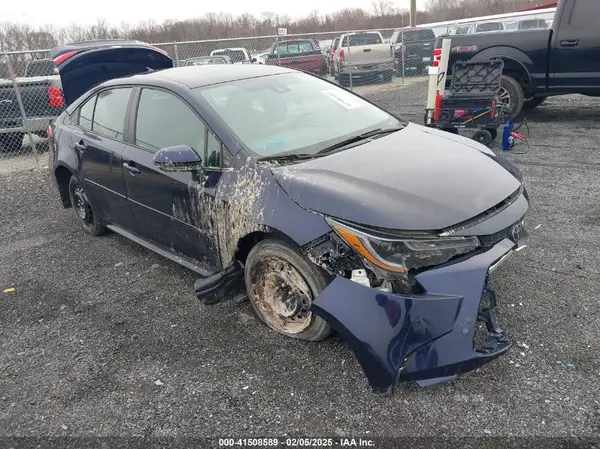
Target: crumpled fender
{"type": "Point", "coordinates": [385, 330]}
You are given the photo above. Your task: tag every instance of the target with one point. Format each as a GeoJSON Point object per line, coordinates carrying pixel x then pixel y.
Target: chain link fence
{"type": "Point", "coordinates": [31, 95]}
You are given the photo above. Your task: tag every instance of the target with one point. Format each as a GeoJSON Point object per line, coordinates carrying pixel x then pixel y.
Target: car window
{"type": "Point", "coordinates": [411, 36]}
{"type": "Point", "coordinates": [362, 39]}
{"type": "Point", "coordinates": [109, 114]}
{"type": "Point", "coordinates": [235, 55]}
{"type": "Point", "coordinates": [164, 120]}
{"type": "Point", "coordinates": [86, 113]}
{"type": "Point", "coordinates": [585, 14]}
{"type": "Point", "coordinates": [291, 112]}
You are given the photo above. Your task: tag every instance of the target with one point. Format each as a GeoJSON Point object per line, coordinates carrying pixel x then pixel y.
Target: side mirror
{"type": "Point", "coordinates": [179, 158]}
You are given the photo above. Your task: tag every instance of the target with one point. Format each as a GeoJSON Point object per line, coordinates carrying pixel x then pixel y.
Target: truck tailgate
{"type": "Point", "coordinates": [36, 99]}
{"type": "Point", "coordinates": [368, 54]}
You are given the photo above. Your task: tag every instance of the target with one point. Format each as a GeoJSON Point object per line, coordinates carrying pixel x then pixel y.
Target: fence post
{"type": "Point", "coordinates": [403, 57]}
{"type": "Point", "coordinates": [278, 48]}
{"type": "Point", "coordinates": [21, 108]}
{"type": "Point", "coordinates": [350, 68]}
{"type": "Point", "coordinates": [176, 54]}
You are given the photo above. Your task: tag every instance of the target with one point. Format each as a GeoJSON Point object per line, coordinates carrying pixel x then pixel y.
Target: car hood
{"type": "Point", "coordinates": [414, 179]}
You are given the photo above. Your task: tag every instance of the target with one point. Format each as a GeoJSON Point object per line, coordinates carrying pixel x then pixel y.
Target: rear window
{"type": "Point", "coordinates": [43, 67]}
{"type": "Point", "coordinates": [411, 36]}
{"type": "Point", "coordinates": [235, 55]}
{"type": "Point", "coordinates": [362, 39]}
{"type": "Point", "coordinates": [294, 48]}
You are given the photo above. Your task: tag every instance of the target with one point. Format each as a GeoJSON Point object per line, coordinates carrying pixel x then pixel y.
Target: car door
{"type": "Point", "coordinates": [575, 58]}
{"type": "Point", "coordinates": [97, 139]}
{"type": "Point", "coordinates": [170, 208]}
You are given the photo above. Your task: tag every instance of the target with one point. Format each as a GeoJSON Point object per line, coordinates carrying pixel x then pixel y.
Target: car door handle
{"type": "Point", "coordinates": [573, 43]}
{"type": "Point", "coordinates": [133, 170]}
{"type": "Point", "coordinates": [81, 145]}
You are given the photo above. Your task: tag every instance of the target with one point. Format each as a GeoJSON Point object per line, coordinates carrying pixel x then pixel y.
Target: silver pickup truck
{"type": "Point", "coordinates": [42, 101]}
{"type": "Point", "coordinates": [363, 55]}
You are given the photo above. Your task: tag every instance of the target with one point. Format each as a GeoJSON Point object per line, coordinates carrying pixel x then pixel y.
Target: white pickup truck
{"type": "Point", "coordinates": [363, 55]}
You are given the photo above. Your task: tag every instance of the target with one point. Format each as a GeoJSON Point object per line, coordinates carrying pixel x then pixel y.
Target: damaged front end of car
{"type": "Point", "coordinates": [413, 306]}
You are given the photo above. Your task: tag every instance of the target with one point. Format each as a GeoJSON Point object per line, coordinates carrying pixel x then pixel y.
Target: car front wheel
{"type": "Point", "coordinates": [281, 285]}
{"type": "Point", "coordinates": [84, 210]}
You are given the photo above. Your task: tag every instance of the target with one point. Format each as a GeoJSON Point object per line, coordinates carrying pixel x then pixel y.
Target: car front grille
{"type": "Point", "coordinates": [492, 239]}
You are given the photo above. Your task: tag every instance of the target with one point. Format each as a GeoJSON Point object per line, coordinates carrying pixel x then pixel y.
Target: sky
{"type": "Point", "coordinates": [40, 12]}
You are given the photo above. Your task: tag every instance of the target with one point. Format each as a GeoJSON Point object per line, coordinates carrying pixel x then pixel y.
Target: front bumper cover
{"type": "Point", "coordinates": [428, 338]}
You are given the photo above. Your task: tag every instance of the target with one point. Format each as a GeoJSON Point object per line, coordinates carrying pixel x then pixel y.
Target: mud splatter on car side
{"type": "Point", "coordinates": [235, 210]}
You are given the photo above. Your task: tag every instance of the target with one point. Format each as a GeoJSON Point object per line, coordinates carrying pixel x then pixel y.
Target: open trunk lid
{"type": "Point", "coordinates": [83, 65]}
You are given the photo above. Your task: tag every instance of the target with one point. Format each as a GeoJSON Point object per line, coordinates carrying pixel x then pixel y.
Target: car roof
{"type": "Point", "coordinates": [203, 75]}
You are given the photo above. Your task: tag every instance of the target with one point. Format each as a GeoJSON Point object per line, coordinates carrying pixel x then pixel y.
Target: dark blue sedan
{"type": "Point", "coordinates": [328, 212]}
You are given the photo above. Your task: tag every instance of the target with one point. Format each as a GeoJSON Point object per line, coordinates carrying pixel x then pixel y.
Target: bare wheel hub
{"type": "Point", "coordinates": [82, 206]}
{"type": "Point", "coordinates": [282, 295]}
{"type": "Point", "coordinates": [503, 99]}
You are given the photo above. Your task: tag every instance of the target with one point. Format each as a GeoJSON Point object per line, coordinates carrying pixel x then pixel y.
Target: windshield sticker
{"type": "Point", "coordinates": [343, 99]}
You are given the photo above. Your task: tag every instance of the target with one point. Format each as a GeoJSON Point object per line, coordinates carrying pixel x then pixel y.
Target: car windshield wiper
{"type": "Point", "coordinates": [290, 157]}
{"type": "Point", "coordinates": [358, 138]}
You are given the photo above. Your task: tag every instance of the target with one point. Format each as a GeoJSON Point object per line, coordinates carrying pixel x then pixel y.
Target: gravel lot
{"type": "Point", "coordinates": [96, 323]}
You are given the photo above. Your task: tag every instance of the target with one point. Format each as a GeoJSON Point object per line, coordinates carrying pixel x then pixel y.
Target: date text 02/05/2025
{"type": "Point", "coordinates": [296, 442]}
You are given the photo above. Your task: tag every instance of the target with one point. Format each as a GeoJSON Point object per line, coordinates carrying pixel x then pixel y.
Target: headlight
{"type": "Point", "coordinates": [400, 255]}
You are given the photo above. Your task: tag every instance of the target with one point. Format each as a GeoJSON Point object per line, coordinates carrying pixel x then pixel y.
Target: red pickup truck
{"type": "Point", "coordinates": [299, 54]}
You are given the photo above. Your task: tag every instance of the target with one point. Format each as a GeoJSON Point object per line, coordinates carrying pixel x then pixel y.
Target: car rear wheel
{"type": "Point", "coordinates": [281, 285]}
{"type": "Point", "coordinates": [83, 208]}
{"type": "Point", "coordinates": [511, 96]}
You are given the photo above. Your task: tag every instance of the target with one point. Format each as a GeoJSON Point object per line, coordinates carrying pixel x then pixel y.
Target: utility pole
{"type": "Point", "coordinates": [413, 13]}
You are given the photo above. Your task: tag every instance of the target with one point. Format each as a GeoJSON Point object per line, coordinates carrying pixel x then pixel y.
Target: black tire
{"type": "Point", "coordinates": [493, 132]}
{"type": "Point", "coordinates": [276, 251]}
{"type": "Point", "coordinates": [517, 97]}
{"type": "Point", "coordinates": [388, 77]}
{"type": "Point", "coordinates": [85, 213]}
{"type": "Point", "coordinates": [534, 102]}
{"type": "Point", "coordinates": [483, 136]}
{"type": "Point", "coordinates": [11, 141]}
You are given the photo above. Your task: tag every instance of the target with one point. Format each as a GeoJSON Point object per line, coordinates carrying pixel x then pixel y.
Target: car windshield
{"type": "Point", "coordinates": [292, 113]}
{"type": "Point", "coordinates": [235, 55]}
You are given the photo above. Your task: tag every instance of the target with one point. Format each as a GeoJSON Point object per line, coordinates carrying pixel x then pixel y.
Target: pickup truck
{"type": "Point", "coordinates": [412, 49]}
{"type": "Point", "coordinates": [42, 100]}
{"type": "Point", "coordinates": [299, 54]}
{"type": "Point", "coordinates": [363, 55]}
{"type": "Point", "coordinates": [238, 55]}
{"type": "Point", "coordinates": [538, 63]}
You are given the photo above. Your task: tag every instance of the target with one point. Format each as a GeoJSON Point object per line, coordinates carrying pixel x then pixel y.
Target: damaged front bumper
{"type": "Point", "coordinates": [428, 338]}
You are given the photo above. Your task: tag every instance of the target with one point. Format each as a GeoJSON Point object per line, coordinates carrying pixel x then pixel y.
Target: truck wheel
{"type": "Point", "coordinates": [388, 77]}
{"type": "Point", "coordinates": [281, 285]}
{"type": "Point", "coordinates": [532, 103]}
{"type": "Point", "coordinates": [511, 96]}
{"type": "Point", "coordinates": [11, 141]}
